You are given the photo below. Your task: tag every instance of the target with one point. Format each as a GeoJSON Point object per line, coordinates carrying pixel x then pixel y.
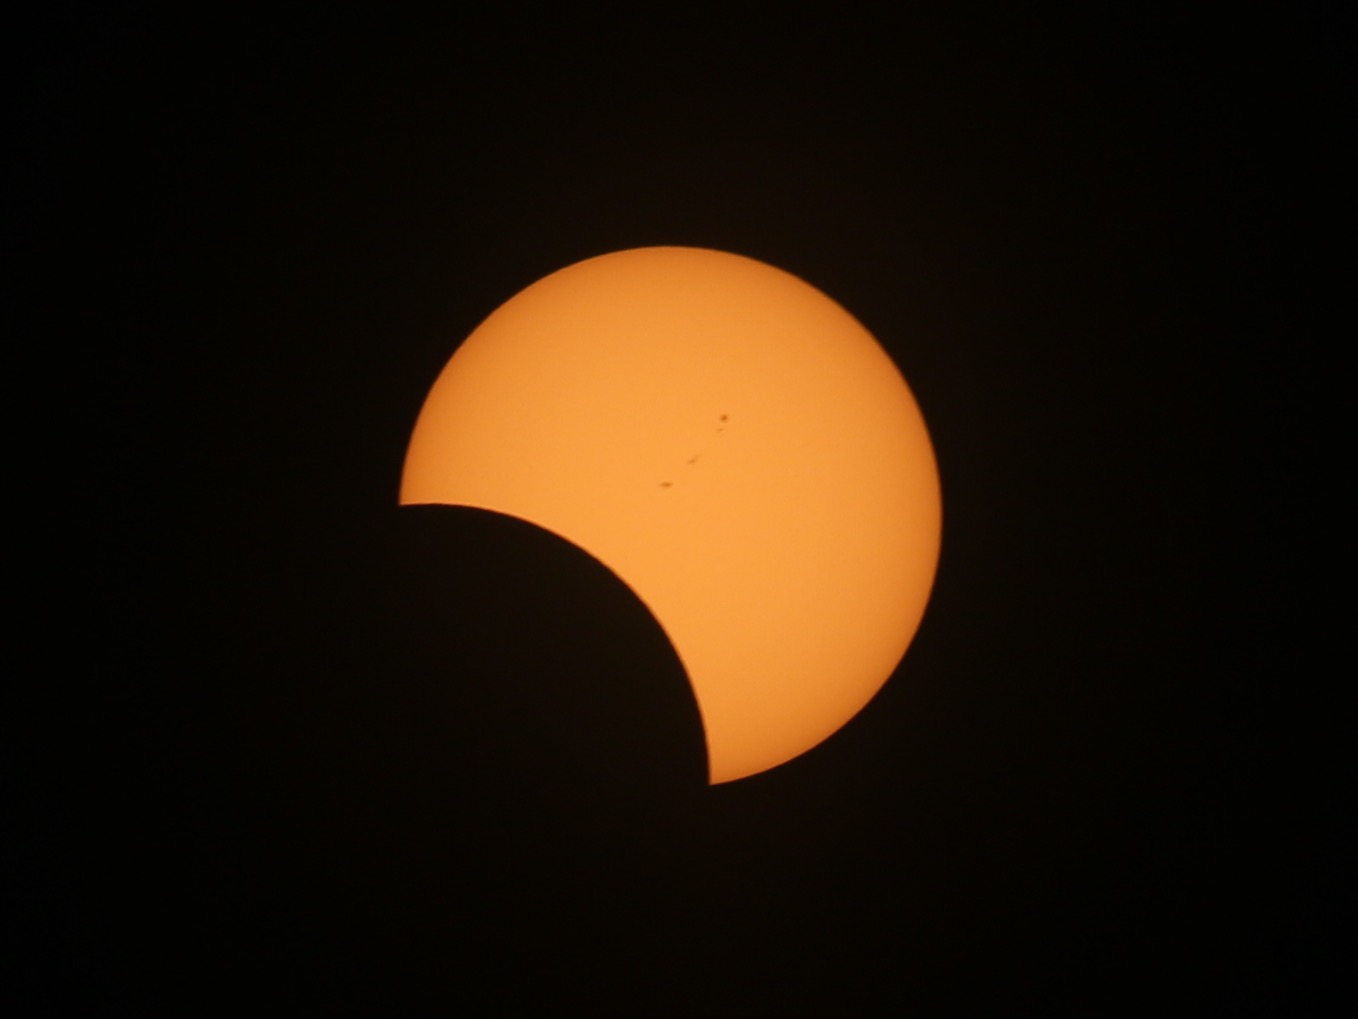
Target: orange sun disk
{"type": "Point", "coordinates": [735, 447]}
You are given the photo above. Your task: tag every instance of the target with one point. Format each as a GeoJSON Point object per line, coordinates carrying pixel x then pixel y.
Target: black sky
{"type": "Point", "coordinates": [290, 744]}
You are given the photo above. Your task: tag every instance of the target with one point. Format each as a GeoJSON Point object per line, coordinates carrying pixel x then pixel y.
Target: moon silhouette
{"type": "Point", "coordinates": [735, 447]}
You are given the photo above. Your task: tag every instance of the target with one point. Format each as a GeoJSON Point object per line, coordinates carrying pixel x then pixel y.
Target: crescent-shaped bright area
{"type": "Point", "coordinates": [735, 447]}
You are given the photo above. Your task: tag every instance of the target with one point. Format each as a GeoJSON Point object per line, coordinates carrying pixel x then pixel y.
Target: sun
{"type": "Point", "coordinates": [732, 444]}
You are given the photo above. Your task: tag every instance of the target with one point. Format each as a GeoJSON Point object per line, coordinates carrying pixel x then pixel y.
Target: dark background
{"type": "Point", "coordinates": [280, 742]}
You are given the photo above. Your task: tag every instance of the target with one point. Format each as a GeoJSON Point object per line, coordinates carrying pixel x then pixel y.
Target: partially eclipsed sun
{"type": "Point", "coordinates": [735, 447]}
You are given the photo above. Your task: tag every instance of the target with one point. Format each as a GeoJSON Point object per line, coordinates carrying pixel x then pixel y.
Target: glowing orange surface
{"type": "Point", "coordinates": [735, 447]}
